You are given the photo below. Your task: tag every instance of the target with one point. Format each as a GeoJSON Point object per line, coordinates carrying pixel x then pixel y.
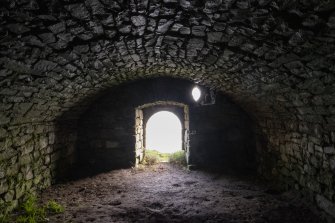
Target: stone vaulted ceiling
{"type": "Point", "coordinates": [275, 58]}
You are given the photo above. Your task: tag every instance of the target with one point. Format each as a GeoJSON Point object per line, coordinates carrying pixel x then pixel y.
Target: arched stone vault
{"type": "Point", "coordinates": [274, 58]}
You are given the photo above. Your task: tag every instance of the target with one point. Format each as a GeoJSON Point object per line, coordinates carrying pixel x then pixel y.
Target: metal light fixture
{"type": "Point", "coordinates": [196, 93]}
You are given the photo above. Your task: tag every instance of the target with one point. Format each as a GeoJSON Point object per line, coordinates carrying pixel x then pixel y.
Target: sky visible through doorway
{"type": "Point", "coordinates": [163, 132]}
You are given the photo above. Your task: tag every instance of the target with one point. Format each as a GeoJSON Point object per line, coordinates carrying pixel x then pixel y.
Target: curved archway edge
{"type": "Point", "coordinates": [144, 112]}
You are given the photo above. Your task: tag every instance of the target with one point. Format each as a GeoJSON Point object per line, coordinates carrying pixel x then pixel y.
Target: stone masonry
{"type": "Point", "coordinates": [275, 58]}
{"type": "Point", "coordinates": [111, 132]}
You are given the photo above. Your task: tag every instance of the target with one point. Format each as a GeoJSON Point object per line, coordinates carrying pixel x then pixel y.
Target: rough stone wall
{"type": "Point", "coordinates": [32, 157]}
{"type": "Point", "coordinates": [275, 58]}
{"type": "Point", "coordinates": [139, 136]}
{"type": "Point", "coordinates": [106, 130]}
{"type": "Point", "coordinates": [26, 160]}
{"type": "Point", "coordinates": [302, 157]}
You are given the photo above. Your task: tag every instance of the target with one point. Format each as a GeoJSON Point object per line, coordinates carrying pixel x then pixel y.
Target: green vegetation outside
{"type": "Point", "coordinates": [31, 212]}
{"type": "Point", "coordinates": [153, 156]}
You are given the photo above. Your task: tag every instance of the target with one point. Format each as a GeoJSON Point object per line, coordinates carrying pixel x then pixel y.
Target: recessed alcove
{"type": "Point", "coordinates": [111, 132]}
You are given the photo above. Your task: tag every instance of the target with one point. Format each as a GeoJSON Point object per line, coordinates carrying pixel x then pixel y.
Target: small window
{"type": "Point", "coordinates": [196, 93]}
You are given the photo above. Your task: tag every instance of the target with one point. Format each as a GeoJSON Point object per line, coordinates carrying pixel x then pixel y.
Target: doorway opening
{"type": "Point", "coordinates": [162, 133]}
{"type": "Point", "coordinates": [163, 137]}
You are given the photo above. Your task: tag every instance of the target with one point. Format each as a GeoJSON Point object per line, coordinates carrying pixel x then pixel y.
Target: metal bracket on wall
{"type": "Point", "coordinates": [209, 97]}
{"type": "Point", "coordinates": [193, 132]}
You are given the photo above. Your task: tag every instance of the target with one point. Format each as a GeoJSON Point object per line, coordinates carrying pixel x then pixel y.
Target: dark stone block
{"type": "Point", "coordinates": [214, 37]}
{"type": "Point", "coordinates": [78, 11]}
{"type": "Point", "coordinates": [47, 38]}
{"type": "Point", "coordinates": [18, 28]}
{"type": "Point", "coordinates": [199, 30]}
{"type": "Point", "coordinates": [57, 28]}
{"type": "Point", "coordinates": [44, 65]}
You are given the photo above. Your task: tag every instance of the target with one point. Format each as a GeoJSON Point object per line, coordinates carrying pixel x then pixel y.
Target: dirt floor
{"type": "Point", "coordinates": [168, 193]}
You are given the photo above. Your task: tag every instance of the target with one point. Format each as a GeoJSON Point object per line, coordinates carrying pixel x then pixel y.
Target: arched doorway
{"type": "Point", "coordinates": [163, 133]}
{"type": "Point", "coordinates": [162, 128]}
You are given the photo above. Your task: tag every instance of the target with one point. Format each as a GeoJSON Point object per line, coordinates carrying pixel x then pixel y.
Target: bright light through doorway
{"type": "Point", "coordinates": [163, 132]}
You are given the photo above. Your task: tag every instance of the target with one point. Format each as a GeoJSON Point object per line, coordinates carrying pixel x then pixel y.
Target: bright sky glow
{"type": "Point", "coordinates": [196, 93]}
{"type": "Point", "coordinates": [163, 132]}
